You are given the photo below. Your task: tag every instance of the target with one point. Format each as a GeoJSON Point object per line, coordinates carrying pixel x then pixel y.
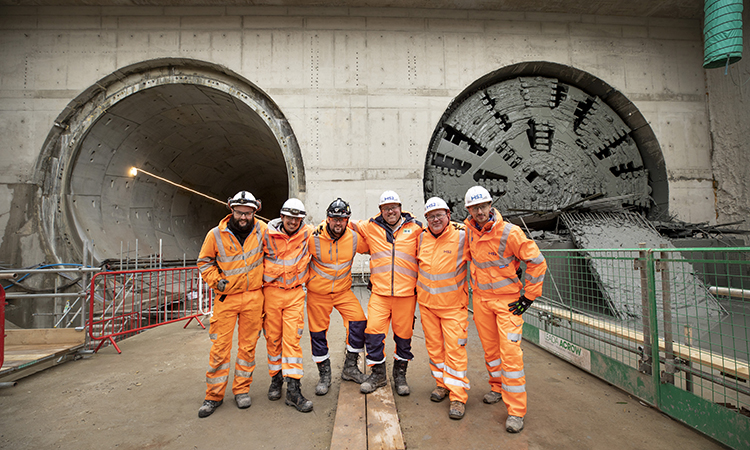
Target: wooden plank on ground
{"type": "Point", "coordinates": [350, 426]}
{"type": "Point", "coordinates": [383, 427]}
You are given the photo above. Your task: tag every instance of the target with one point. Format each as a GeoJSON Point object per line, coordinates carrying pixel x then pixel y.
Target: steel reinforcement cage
{"type": "Point", "coordinates": [684, 349]}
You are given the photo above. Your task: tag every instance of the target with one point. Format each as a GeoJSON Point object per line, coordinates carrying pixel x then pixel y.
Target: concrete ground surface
{"type": "Point", "coordinates": [148, 398]}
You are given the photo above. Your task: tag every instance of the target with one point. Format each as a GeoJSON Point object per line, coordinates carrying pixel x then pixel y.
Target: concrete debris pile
{"type": "Point", "coordinates": [618, 279]}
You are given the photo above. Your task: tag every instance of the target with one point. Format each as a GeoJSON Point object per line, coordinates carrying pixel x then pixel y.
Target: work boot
{"type": "Point", "coordinates": [274, 391]}
{"type": "Point", "coordinates": [457, 410]}
{"type": "Point", "coordinates": [399, 377]}
{"type": "Point", "coordinates": [324, 369]}
{"type": "Point", "coordinates": [492, 397]}
{"type": "Point", "coordinates": [294, 396]}
{"type": "Point", "coordinates": [208, 407]}
{"type": "Point", "coordinates": [351, 370]}
{"type": "Point", "coordinates": [514, 424]}
{"type": "Point", "coordinates": [243, 401]}
{"type": "Point", "coordinates": [439, 394]}
{"type": "Point", "coordinates": [375, 380]}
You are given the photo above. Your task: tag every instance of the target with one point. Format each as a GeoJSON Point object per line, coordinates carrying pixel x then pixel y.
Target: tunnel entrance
{"type": "Point", "coordinates": [188, 122]}
{"type": "Point", "coordinates": [541, 137]}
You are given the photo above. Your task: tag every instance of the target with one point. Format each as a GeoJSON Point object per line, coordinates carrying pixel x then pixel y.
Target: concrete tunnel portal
{"type": "Point", "coordinates": [187, 122]}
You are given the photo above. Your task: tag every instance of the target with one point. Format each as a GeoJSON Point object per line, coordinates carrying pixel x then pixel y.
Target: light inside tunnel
{"type": "Point", "coordinates": [154, 166]}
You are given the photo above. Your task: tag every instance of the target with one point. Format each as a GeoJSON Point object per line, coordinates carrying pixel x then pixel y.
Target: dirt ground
{"type": "Point", "coordinates": [148, 398]}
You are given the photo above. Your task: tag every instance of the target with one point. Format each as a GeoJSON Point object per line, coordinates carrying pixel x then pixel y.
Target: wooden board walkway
{"type": "Point", "coordinates": [28, 351]}
{"type": "Point", "coordinates": [366, 422]}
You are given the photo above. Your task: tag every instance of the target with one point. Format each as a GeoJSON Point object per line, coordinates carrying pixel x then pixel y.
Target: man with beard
{"type": "Point", "coordinates": [285, 271]}
{"type": "Point", "coordinates": [392, 239]}
{"type": "Point", "coordinates": [333, 247]}
{"type": "Point", "coordinates": [231, 263]}
{"type": "Point", "coordinates": [497, 248]}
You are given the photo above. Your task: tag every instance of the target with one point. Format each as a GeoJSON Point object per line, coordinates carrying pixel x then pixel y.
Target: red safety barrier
{"type": "Point", "coordinates": [124, 303]}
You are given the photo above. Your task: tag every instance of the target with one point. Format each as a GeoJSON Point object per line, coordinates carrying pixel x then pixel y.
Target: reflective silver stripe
{"type": "Point", "coordinates": [405, 271]}
{"type": "Point", "coordinates": [460, 253]}
{"type": "Point", "coordinates": [274, 358]}
{"type": "Point", "coordinates": [454, 382]}
{"type": "Point", "coordinates": [440, 290]}
{"type": "Point", "coordinates": [496, 374]}
{"type": "Point", "coordinates": [318, 359]}
{"type": "Point", "coordinates": [243, 269]}
{"type": "Point", "coordinates": [515, 389]}
{"type": "Point", "coordinates": [405, 256]}
{"type": "Point", "coordinates": [316, 240]}
{"type": "Point", "coordinates": [336, 267]}
{"type": "Point", "coordinates": [287, 372]}
{"type": "Point", "coordinates": [270, 253]}
{"type": "Point", "coordinates": [354, 350]}
{"type": "Point", "coordinates": [221, 367]}
{"type": "Point", "coordinates": [371, 362]}
{"type": "Point", "coordinates": [538, 260]}
{"type": "Point", "coordinates": [516, 374]}
{"type": "Point", "coordinates": [206, 260]}
{"type": "Point", "coordinates": [217, 380]}
{"type": "Point", "coordinates": [437, 374]}
{"type": "Point", "coordinates": [288, 262]}
{"type": "Point", "coordinates": [462, 342]}
{"type": "Point", "coordinates": [441, 276]}
{"type": "Point", "coordinates": [498, 284]}
{"type": "Point", "coordinates": [495, 363]}
{"type": "Point", "coordinates": [205, 267]}
{"type": "Point", "coordinates": [488, 264]}
{"type": "Point", "coordinates": [212, 336]}
{"type": "Point", "coordinates": [455, 373]}
{"type": "Point", "coordinates": [504, 243]}
{"type": "Point", "coordinates": [380, 269]}
{"type": "Point", "coordinates": [355, 237]}
{"type": "Point", "coordinates": [242, 362]}
{"type": "Point", "coordinates": [291, 360]}
{"type": "Point", "coordinates": [219, 242]}
{"type": "Point", "coordinates": [531, 279]}
{"type": "Point", "coordinates": [244, 374]}
{"type": "Point", "coordinates": [514, 337]}
{"type": "Point", "coordinates": [378, 255]}
{"type": "Point", "coordinates": [439, 366]}
{"type": "Point", "coordinates": [274, 367]}
{"type": "Point", "coordinates": [399, 358]}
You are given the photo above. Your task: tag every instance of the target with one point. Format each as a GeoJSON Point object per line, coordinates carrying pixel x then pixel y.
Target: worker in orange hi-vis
{"type": "Point", "coordinates": [497, 248]}
{"type": "Point", "coordinates": [285, 271]}
{"type": "Point", "coordinates": [333, 247]}
{"type": "Point", "coordinates": [443, 297]}
{"type": "Point", "coordinates": [231, 263]}
{"type": "Point", "coordinates": [392, 239]}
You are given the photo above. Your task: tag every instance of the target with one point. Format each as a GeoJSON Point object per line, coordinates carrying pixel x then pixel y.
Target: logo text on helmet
{"type": "Point", "coordinates": [476, 196]}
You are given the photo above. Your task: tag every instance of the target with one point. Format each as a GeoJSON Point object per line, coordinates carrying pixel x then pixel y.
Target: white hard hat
{"type": "Point", "coordinates": [244, 198]}
{"type": "Point", "coordinates": [293, 208]}
{"type": "Point", "coordinates": [476, 195]}
{"type": "Point", "coordinates": [435, 203]}
{"type": "Point", "coordinates": [389, 197]}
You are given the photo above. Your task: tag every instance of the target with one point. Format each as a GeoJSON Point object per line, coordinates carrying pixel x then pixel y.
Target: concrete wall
{"type": "Point", "coordinates": [729, 106]}
{"type": "Point", "coordinates": [362, 88]}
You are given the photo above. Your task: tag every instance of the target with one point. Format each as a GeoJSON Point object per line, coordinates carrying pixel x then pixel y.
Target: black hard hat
{"type": "Point", "coordinates": [339, 208]}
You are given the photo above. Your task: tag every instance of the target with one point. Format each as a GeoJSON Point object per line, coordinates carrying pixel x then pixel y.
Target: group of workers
{"type": "Point", "coordinates": [258, 271]}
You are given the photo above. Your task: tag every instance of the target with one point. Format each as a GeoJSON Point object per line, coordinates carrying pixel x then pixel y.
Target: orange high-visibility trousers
{"type": "Point", "coordinates": [319, 308]}
{"type": "Point", "coordinates": [283, 325]}
{"type": "Point", "coordinates": [445, 334]}
{"type": "Point", "coordinates": [399, 312]}
{"type": "Point", "coordinates": [500, 332]}
{"type": "Point", "coordinates": [244, 309]}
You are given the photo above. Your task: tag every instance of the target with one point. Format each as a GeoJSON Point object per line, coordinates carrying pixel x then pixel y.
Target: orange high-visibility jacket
{"type": "Point", "coordinates": [442, 281]}
{"type": "Point", "coordinates": [221, 256]}
{"type": "Point", "coordinates": [496, 254]}
{"type": "Point", "coordinates": [331, 265]}
{"type": "Point", "coordinates": [286, 257]}
{"type": "Point", "coordinates": [393, 254]}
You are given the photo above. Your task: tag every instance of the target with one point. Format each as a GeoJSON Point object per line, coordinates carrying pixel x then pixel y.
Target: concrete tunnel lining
{"type": "Point", "coordinates": [181, 120]}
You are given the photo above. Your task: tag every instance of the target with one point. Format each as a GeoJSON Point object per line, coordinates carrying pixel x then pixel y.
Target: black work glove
{"type": "Point", "coordinates": [520, 306]}
{"type": "Point", "coordinates": [221, 285]}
